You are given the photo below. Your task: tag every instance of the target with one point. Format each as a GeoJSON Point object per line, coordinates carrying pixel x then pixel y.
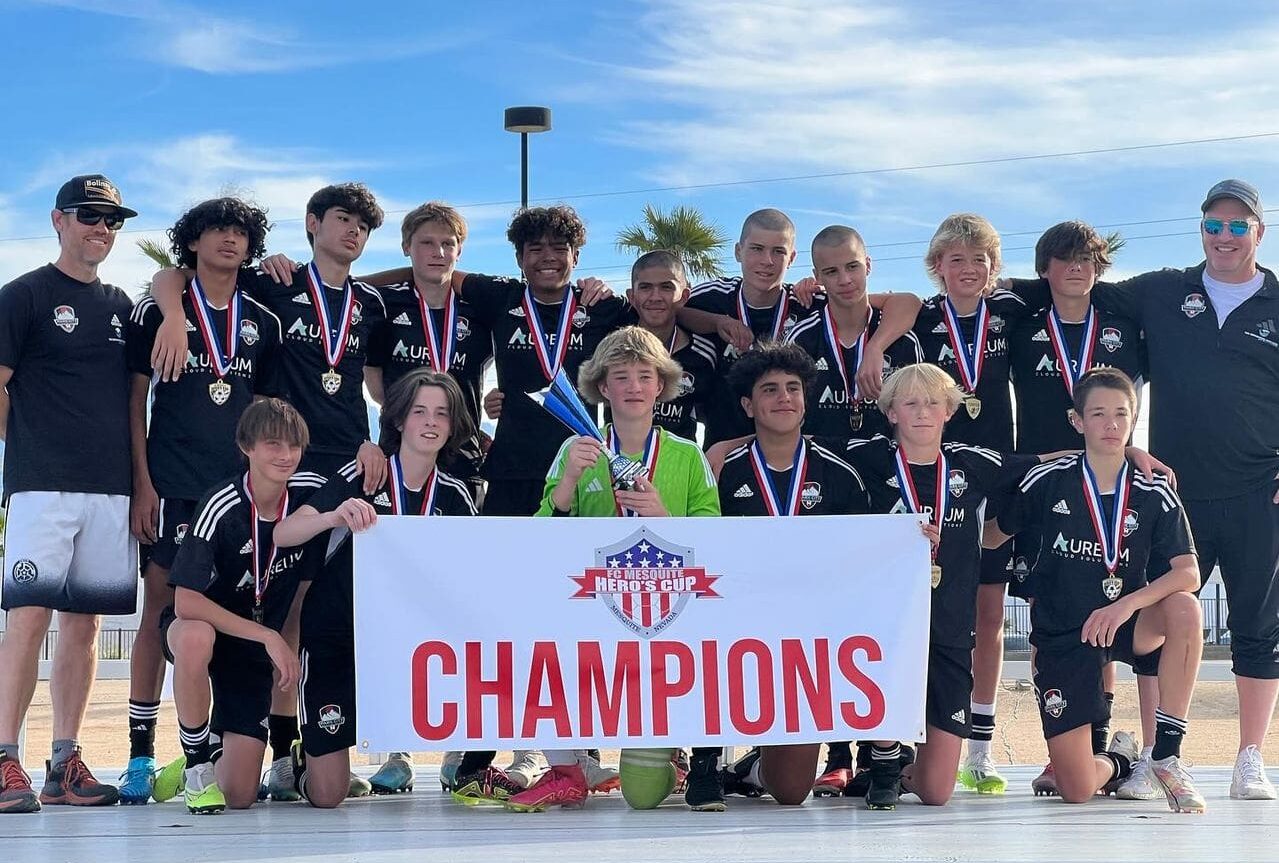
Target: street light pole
{"type": "Point", "coordinates": [526, 120]}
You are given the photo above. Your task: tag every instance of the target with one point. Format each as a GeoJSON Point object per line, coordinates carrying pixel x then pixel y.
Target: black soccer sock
{"type": "Point", "coordinates": [1169, 731]}
{"type": "Point", "coordinates": [1101, 730]}
{"type": "Point", "coordinates": [142, 719]}
{"type": "Point", "coordinates": [1121, 765]}
{"type": "Point", "coordinates": [863, 755]}
{"type": "Point", "coordinates": [281, 731]}
{"type": "Point", "coordinates": [195, 743]}
{"type": "Point", "coordinates": [892, 752]}
{"type": "Point", "coordinates": [839, 755]}
{"type": "Point", "coordinates": [473, 762]}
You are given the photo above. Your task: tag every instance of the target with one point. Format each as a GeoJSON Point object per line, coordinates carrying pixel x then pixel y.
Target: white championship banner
{"type": "Point", "coordinates": [487, 633]}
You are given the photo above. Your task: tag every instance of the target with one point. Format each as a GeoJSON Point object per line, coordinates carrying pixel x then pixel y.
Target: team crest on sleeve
{"type": "Point", "coordinates": [357, 313]}
{"type": "Point", "coordinates": [580, 319]}
{"type": "Point", "coordinates": [686, 384]}
{"type": "Point", "coordinates": [249, 333]}
{"type": "Point", "coordinates": [645, 581]}
{"type": "Point", "coordinates": [65, 318]}
{"type": "Point", "coordinates": [1130, 523]}
{"type": "Point", "coordinates": [1194, 306]}
{"type": "Point", "coordinates": [461, 329]}
{"type": "Point", "coordinates": [958, 483]}
{"type": "Point", "coordinates": [1110, 339]}
{"type": "Point", "coordinates": [810, 495]}
{"type": "Point", "coordinates": [996, 324]}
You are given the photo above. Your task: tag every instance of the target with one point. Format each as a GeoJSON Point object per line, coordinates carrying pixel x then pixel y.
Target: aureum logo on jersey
{"type": "Point", "coordinates": [645, 581]}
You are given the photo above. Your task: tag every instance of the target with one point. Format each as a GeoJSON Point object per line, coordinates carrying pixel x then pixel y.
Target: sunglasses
{"type": "Point", "coordinates": [85, 216]}
{"type": "Point", "coordinates": [1238, 227]}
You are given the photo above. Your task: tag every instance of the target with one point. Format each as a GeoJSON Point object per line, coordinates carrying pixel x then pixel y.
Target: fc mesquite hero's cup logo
{"type": "Point", "coordinates": [645, 581]}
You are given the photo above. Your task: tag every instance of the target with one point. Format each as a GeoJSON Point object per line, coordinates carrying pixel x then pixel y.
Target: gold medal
{"type": "Point", "coordinates": [1112, 586]}
{"type": "Point", "coordinates": [219, 392]}
{"type": "Point", "coordinates": [855, 419]}
{"type": "Point", "coordinates": [973, 404]}
{"type": "Point", "coordinates": [257, 614]}
{"type": "Point", "coordinates": [331, 381]}
{"type": "Point", "coordinates": [934, 573]}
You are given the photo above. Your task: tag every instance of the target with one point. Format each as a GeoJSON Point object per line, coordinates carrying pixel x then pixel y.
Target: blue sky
{"type": "Point", "coordinates": [181, 102]}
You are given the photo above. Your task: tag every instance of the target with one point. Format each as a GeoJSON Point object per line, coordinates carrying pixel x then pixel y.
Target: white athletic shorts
{"type": "Point", "coordinates": [69, 551]}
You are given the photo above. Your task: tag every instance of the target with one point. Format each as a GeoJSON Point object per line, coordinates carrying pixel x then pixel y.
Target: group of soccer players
{"type": "Point", "coordinates": [221, 422]}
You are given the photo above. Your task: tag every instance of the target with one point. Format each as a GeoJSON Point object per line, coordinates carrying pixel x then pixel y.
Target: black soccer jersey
{"type": "Point", "coordinates": [1068, 573]}
{"type": "Point", "coordinates": [993, 424]}
{"type": "Point", "coordinates": [216, 557]}
{"type": "Point", "coordinates": [1039, 381]}
{"type": "Point", "coordinates": [327, 609]}
{"type": "Point", "coordinates": [725, 418]}
{"type": "Point", "coordinates": [399, 345]}
{"type": "Point", "coordinates": [68, 424]}
{"type": "Point", "coordinates": [827, 485]}
{"type": "Point", "coordinates": [527, 437]}
{"type": "Point", "coordinates": [973, 475]}
{"type": "Point", "coordinates": [679, 416]}
{"type": "Point", "coordinates": [332, 403]}
{"type": "Point", "coordinates": [191, 439]}
{"type": "Point", "coordinates": [828, 412]}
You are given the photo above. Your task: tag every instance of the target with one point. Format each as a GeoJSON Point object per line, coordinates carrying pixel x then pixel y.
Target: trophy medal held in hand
{"type": "Point", "coordinates": [562, 402]}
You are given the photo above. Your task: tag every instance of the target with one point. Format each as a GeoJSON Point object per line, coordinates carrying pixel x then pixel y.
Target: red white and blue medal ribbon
{"type": "Point", "coordinates": [332, 339]}
{"type": "Point", "coordinates": [221, 359]}
{"type": "Point", "coordinates": [779, 314]}
{"type": "Point", "coordinates": [910, 497]}
{"type": "Point", "coordinates": [1110, 532]}
{"type": "Point", "coordinates": [837, 350]}
{"type": "Point", "coordinates": [439, 346]}
{"type": "Point", "coordinates": [551, 358]}
{"type": "Point", "coordinates": [968, 361]}
{"type": "Point", "coordinates": [399, 495]}
{"type": "Point", "coordinates": [261, 576]}
{"type": "Point", "coordinates": [1072, 372]}
{"type": "Point", "coordinates": [651, 447]}
{"type": "Point", "coordinates": [764, 478]}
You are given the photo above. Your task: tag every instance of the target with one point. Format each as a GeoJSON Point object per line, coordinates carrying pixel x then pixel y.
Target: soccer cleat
{"type": "Point", "coordinates": [978, 774]}
{"type": "Point", "coordinates": [885, 785]}
{"type": "Point", "coordinates": [1045, 784]}
{"type": "Point", "coordinates": [358, 787]}
{"type": "Point", "coordinates": [72, 784]}
{"type": "Point", "coordinates": [737, 776]}
{"type": "Point", "coordinates": [136, 781]}
{"type": "Point", "coordinates": [562, 785]}
{"type": "Point", "coordinates": [600, 779]}
{"type": "Point", "coordinates": [527, 767]}
{"type": "Point", "coordinates": [648, 776]}
{"type": "Point", "coordinates": [278, 782]}
{"type": "Point", "coordinates": [448, 769]}
{"type": "Point", "coordinates": [1177, 785]}
{"type": "Point", "coordinates": [705, 791]}
{"type": "Point", "coordinates": [200, 790]}
{"type": "Point", "coordinates": [1249, 781]}
{"type": "Point", "coordinates": [16, 795]}
{"type": "Point", "coordinates": [395, 776]}
{"type": "Point", "coordinates": [1140, 785]}
{"type": "Point", "coordinates": [168, 782]}
{"type": "Point", "coordinates": [1122, 743]}
{"type": "Point", "coordinates": [833, 782]}
{"type": "Point", "coordinates": [487, 786]}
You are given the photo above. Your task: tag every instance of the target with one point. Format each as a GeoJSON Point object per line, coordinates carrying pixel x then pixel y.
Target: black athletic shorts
{"type": "Point", "coordinates": [326, 711]}
{"type": "Point", "coordinates": [175, 520]}
{"type": "Point", "coordinates": [1067, 677]}
{"type": "Point", "coordinates": [996, 564]}
{"type": "Point", "coordinates": [950, 689]}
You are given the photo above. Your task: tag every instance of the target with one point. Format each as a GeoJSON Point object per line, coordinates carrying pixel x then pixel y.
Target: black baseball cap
{"type": "Point", "coordinates": [1244, 193]}
{"type": "Point", "coordinates": [91, 190]}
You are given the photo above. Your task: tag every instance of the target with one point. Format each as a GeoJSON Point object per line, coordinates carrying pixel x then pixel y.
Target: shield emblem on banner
{"type": "Point", "coordinates": [645, 581]}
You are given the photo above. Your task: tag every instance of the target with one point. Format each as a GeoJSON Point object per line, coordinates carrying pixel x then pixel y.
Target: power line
{"type": "Point", "coordinates": [969, 163]}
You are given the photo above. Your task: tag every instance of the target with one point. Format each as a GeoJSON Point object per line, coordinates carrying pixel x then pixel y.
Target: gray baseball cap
{"type": "Point", "coordinates": [1244, 193]}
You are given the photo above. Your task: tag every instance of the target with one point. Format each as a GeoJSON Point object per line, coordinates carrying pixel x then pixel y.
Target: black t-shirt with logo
{"type": "Point", "coordinates": [337, 417]}
{"type": "Point", "coordinates": [975, 474]}
{"type": "Point", "coordinates": [527, 437]}
{"type": "Point", "coordinates": [827, 410]}
{"type": "Point", "coordinates": [191, 439]}
{"type": "Point", "coordinates": [1042, 399]}
{"type": "Point", "coordinates": [993, 425]}
{"type": "Point", "coordinates": [398, 346]}
{"type": "Point", "coordinates": [215, 557]}
{"type": "Point", "coordinates": [68, 424]}
{"type": "Point", "coordinates": [1067, 570]}
{"type": "Point", "coordinates": [725, 418]}
{"type": "Point", "coordinates": [830, 486]}
{"type": "Point", "coordinates": [328, 608]}
{"type": "Point", "coordinates": [679, 416]}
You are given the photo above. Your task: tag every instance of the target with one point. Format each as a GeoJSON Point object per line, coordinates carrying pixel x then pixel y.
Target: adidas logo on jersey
{"type": "Point", "coordinates": [190, 327]}
{"type": "Point", "coordinates": [1041, 336]}
{"type": "Point", "coordinates": [382, 500]}
{"type": "Point", "coordinates": [940, 328]}
{"type": "Point", "coordinates": [403, 320]}
{"type": "Point", "coordinates": [248, 548]}
{"type": "Point", "coordinates": [821, 365]}
{"type": "Point", "coordinates": [516, 312]}
{"type": "Point", "coordinates": [959, 715]}
{"type": "Point", "coordinates": [115, 321]}
{"type": "Point", "coordinates": [744, 491]}
{"type": "Point", "coordinates": [594, 486]}
{"type": "Point", "coordinates": [891, 482]}
{"type": "Point", "coordinates": [1060, 507]}
{"type": "Point", "coordinates": [302, 300]}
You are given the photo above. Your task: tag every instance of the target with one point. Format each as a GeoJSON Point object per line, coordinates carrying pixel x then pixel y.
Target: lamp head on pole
{"type": "Point", "coordinates": [527, 119]}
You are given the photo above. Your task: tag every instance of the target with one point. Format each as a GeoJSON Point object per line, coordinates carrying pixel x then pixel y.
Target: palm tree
{"type": "Point", "coordinates": [1114, 242]}
{"type": "Point", "coordinates": [158, 253]}
{"type": "Point", "coordinates": [683, 230]}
